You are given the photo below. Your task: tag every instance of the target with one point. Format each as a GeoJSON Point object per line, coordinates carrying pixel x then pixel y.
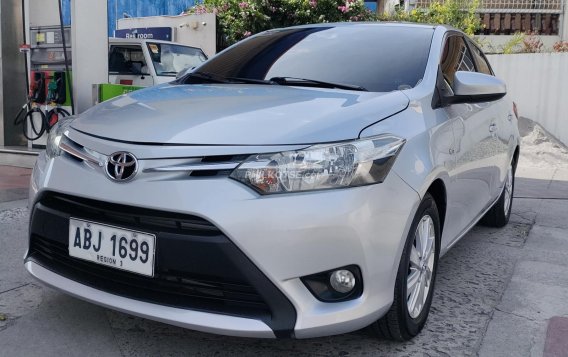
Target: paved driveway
{"type": "Point", "coordinates": [496, 293]}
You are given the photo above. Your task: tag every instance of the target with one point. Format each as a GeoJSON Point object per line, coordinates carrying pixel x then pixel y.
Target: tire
{"type": "Point", "coordinates": [400, 323]}
{"type": "Point", "coordinates": [498, 216]}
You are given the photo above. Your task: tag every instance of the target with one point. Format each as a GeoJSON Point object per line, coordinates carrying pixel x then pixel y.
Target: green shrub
{"type": "Point", "coordinates": [523, 43]}
{"type": "Point", "coordinates": [456, 13]}
{"type": "Point", "coordinates": [238, 19]}
{"type": "Point", "coordinates": [515, 44]}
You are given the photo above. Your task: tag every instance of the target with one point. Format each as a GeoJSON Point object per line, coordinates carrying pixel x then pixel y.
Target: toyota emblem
{"type": "Point", "coordinates": [121, 166]}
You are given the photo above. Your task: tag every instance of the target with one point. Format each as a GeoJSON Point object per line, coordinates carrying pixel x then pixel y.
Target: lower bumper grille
{"type": "Point", "coordinates": [196, 266]}
{"type": "Point", "coordinates": [166, 288]}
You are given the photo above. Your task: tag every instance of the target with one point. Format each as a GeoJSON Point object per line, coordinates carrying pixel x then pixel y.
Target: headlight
{"type": "Point", "coordinates": [319, 167]}
{"type": "Point", "coordinates": [55, 135]}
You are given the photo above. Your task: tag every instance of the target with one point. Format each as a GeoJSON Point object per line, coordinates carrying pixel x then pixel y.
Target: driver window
{"type": "Point", "coordinates": [455, 57]}
{"type": "Point", "coordinates": [127, 60]}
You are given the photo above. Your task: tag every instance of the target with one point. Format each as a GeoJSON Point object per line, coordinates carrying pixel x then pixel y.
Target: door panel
{"type": "Point", "coordinates": [133, 80]}
{"type": "Point", "coordinates": [472, 178]}
{"type": "Point", "coordinates": [503, 134]}
{"type": "Point", "coordinates": [504, 142]}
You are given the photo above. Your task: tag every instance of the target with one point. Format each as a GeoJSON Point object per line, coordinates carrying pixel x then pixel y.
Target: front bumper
{"type": "Point", "coordinates": [284, 236]}
{"type": "Point", "coordinates": [195, 320]}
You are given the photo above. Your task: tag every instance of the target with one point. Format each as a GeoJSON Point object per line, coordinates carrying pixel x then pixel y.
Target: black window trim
{"type": "Point", "coordinates": [436, 98]}
{"type": "Point", "coordinates": [471, 45]}
{"type": "Point", "coordinates": [447, 36]}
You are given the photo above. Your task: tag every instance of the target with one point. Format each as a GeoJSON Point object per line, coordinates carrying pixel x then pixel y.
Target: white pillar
{"type": "Point", "coordinates": [89, 36]}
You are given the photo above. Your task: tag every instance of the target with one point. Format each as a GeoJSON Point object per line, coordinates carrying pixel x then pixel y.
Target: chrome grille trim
{"type": "Point", "coordinates": [79, 152]}
{"type": "Point", "coordinates": [201, 164]}
{"type": "Point", "coordinates": [198, 166]}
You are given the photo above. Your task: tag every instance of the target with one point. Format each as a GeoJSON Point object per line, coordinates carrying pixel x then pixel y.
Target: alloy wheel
{"type": "Point", "coordinates": [421, 265]}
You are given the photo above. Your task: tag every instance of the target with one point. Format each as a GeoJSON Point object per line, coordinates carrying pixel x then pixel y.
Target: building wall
{"type": "Point", "coordinates": [494, 44]}
{"type": "Point", "coordinates": [118, 9]}
{"type": "Point", "coordinates": [140, 8]}
{"type": "Point", "coordinates": [538, 83]}
{"type": "Point", "coordinates": [198, 30]}
{"type": "Point", "coordinates": [41, 14]}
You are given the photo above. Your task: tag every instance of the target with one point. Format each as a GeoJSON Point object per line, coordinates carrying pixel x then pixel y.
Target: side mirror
{"type": "Point", "coordinates": [473, 87]}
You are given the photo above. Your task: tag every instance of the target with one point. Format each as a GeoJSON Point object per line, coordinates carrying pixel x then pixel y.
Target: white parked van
{"type": "Point", "coordinates": [145, 63]}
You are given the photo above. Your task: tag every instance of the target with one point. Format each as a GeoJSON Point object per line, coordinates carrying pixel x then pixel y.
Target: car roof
{"type": "Point", "coordinates": [379, 24]}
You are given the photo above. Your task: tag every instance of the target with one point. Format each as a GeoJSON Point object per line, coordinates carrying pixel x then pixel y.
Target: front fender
{"type": "Point", "coordinates": [427, 154]}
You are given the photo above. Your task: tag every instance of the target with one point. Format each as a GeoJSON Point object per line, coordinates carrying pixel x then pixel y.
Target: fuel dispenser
{"type": "Point", "coordinates": [49, 96]}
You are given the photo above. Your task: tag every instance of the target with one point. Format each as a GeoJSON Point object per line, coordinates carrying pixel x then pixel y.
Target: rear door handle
{"type": "Point", "coordinates": [493, 128]}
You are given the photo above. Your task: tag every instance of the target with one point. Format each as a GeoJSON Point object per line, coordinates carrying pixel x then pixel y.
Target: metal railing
{"type": "Point", "coordinates": [505, 17]}
{"type": "Point", "coordinates": [510, 6]}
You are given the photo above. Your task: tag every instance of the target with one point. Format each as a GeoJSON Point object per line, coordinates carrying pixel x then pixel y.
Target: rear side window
{"type": "Point", "coordinates": [480, 60]}
{"type": "Point", "coordinates": [456, 57]}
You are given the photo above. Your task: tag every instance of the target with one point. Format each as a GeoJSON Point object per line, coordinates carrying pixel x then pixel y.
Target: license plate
{"type": "Point", "coordinates": [112, 246]}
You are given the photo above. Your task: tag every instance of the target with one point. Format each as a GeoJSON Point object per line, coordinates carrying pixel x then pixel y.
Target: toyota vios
{"type": "Point", "coordinates": [301, 183]}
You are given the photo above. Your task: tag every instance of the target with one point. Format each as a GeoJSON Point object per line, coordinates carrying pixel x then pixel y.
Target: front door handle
{"type": "Point", "coordinates": [493, 128]}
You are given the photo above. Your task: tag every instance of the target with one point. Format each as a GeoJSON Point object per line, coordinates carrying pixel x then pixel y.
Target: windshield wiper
{"type": "Point", "coordinates": [234, 80]}
{"type": "Point", "coordinates": [312, 82]}
{"type": "Point", "coordinates": [207, 77]}
{"type": "Point", "coordinates": [251, 80]}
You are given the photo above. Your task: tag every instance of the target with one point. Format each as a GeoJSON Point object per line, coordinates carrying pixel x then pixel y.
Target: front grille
{"type": "Point", "coordinates": [191, 166]}
{"type": "Point", "coordinates": [118, 214]}
{"type": "Point", "coordinates": [171, 288]}
{"type": "Point", "coordinates": [196, 266]}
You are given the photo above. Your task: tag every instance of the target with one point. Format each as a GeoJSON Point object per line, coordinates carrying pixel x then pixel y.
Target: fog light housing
{"type": "Point", "coordinates": [342, 281]}
{"type": "Point", "coordinates": [336, 285]}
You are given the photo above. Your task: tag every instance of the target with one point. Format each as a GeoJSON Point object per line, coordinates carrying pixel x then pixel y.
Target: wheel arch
{"type": "Point", "coordinates": [438, 191]}
{"type": "Point", "coordinates": [516, 157]}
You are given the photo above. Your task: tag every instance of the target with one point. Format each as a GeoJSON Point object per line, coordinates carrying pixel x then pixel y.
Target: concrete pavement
{"type": "Point", "coordinates": [14, 182]}
{"type": "Point", "coordinates": [499, 292]}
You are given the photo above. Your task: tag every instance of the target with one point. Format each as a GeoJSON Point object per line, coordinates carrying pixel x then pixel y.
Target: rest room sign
{"type": "Point", "coordinates": [146, 33]}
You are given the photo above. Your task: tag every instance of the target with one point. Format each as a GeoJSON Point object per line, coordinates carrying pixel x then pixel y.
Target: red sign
{"type": "Point", "coordinates": [25, 47]}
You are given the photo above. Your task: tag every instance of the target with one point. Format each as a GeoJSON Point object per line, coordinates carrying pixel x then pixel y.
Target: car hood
{"type": "Point", "coordinates": [238, 114]}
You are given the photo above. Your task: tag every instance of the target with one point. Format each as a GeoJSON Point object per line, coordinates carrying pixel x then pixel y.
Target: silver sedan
{"type": "Point", "coordinates": [304, 182]}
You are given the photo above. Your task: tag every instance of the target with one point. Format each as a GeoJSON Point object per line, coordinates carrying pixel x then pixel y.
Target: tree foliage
{"type": "Point", "coordinates": [459, 14]}
{"type": "Point", "coordinates": [238, 19]}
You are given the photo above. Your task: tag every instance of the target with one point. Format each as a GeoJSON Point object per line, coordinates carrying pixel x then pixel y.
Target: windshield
{"type": "Point", "coordinates": [377, 58]}
{"type": "Point", "coordinates": [169, 59]}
